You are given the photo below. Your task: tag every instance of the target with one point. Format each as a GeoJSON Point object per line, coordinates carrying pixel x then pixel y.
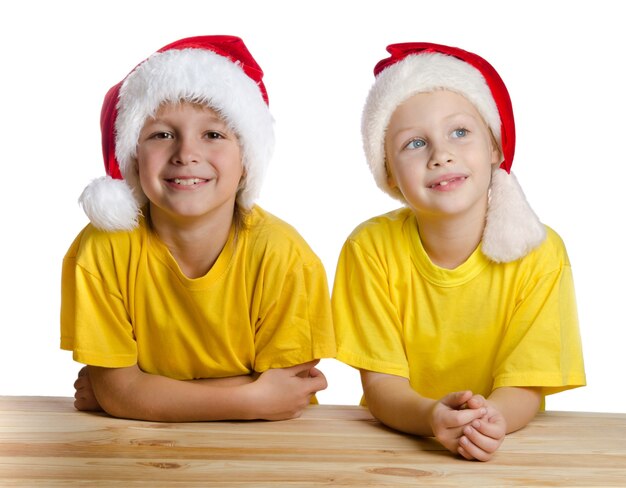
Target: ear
{"type": "Point", "coordinates": [242, 180]}
{"type": "Point", "coordinates": [135, 167]}
{"type": "Point", "coordinates": [496, 153]}
{"type": "Point", "coordinates": [391, 180]}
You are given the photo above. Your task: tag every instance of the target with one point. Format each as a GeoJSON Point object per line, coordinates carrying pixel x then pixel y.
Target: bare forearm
{"type": "Point", "coordinates": [130, 393]}
{"type": "Point", "coordinates": [276, 394]}
{"type": "Point", "coordinates": [518, 406]}
{"type": "Point", "coordinates": [228, 381]}
{"type": "Point", "coordinates": [392, 401]}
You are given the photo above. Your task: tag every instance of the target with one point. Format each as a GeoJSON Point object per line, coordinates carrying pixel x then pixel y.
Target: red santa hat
{"type": "Point", "coordinates": [512, 229]}
{"type": "Point", "coordinates": [217, 71]}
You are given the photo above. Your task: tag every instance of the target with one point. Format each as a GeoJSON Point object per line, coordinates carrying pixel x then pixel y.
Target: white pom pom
{"type": "Point", "coordinates": [512, 229]}
{"type": "Point", "coordinates": [110, 204]}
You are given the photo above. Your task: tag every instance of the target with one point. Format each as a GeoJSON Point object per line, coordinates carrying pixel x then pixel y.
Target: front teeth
{"type": "Point", "coordinates": [442, 183]}
{"type": "Point", "coordinates": [187, 182]}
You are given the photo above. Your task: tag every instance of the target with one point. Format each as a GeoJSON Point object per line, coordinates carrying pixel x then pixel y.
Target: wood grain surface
{"type": "Point", "coordinates": [45, 442]}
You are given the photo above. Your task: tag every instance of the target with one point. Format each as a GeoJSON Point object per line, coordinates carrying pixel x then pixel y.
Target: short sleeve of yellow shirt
{"type": "Point", "coordinates": [481, 326]}
{"type": "Point", "coordinates": [264, 303]}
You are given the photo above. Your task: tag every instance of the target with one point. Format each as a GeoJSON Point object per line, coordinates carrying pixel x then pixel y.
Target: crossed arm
{"type": "Point", "coordinates": [275, 394]}
{"type": "Point", "coordinates": [464, 423]}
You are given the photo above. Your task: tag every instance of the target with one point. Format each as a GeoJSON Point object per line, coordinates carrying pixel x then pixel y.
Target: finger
{"type": "Point", "coordinates": [469, 450]}
{"type": "Point", "coordinates": [460, 418]}
{"type": "Point", "coordinates": [317, 383]}
{"type": "Point", "coordinates": [79, 402]}
{"type": "Point", "coordinates": [87, 405]}
{"type": "Point", "coordinates": [481, 441]}
{"type": "Point", "coordinates": [82, 372]}
{"type": "Point", "coordinates": [464, 453]}
{"type": "Point", "coordinates": [489, 429]}
{"type": "Point", "coordinates": [82, 383]}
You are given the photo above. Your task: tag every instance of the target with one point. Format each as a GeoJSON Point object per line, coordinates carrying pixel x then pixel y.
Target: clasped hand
{"type": "Point", "coordinates": [468, 424]}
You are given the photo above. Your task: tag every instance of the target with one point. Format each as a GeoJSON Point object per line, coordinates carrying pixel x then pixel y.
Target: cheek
{"type": "Point", "coordinates": [235, 165]}
{"type": "Point", "coordinates": [149, 161]}
{"type": "Point", "coordinates": [409, 179]}
{"type": "Point", "coordinates": [233, 170]}
{"type": "Point", "coordinates": [146, 174]}
{"type": "Point", "coordinates": [142, 170]}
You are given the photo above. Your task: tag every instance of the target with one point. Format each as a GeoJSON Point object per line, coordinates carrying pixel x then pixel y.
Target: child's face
{"type": "Point", "coordinates": [440, 154]}
{"type": "Point", "coordinates": [189, 163]}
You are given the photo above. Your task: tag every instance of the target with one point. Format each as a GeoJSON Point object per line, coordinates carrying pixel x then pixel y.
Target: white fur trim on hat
{"type": "Point", "coordinates": [191, 74]}
{"type": "Point", "coordinates": [512, 229]}
{"type": "Point", "coordinates": [410, 76]}
{"type": "Point", "coordinates": [205, 77]}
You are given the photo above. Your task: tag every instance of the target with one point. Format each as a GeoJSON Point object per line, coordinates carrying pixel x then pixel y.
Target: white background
{"type": "Point", "coordinates": [563, 62]}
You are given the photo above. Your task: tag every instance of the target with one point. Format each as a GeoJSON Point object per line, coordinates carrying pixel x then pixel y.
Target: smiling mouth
{"type": "Point", "coordinates": [447, 182]}
{"type": "Point", "coordinates": [187, 181]}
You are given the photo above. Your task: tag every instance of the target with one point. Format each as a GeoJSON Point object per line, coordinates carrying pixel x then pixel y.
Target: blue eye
{"type": "Point", "coordinates": [459, 132]}
{"type": "Point", "coordinates": [415, 144]}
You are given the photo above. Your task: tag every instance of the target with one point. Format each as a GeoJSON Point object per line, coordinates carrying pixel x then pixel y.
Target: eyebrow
{"type": "Point", "coordinates": [211, 119]}
{"type": "Point", "coordinates": [447, 118]}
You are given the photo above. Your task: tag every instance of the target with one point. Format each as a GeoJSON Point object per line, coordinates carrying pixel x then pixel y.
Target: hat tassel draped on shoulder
{"type": "Point", "coordinates": [512, 228]}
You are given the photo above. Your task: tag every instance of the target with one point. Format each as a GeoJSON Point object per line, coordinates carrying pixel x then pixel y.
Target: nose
{"type": "Point", "coordinates": [187, 151]}
{"type": "Point", "coordinates": [441, 155]}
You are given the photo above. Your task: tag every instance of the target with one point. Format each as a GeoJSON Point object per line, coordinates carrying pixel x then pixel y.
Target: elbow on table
{"type": "Point", "coordinates": [116, 390]}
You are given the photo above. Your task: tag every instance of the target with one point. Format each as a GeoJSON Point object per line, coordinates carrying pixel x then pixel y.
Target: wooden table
{"type": "Point", "coordinates": [45, 442]}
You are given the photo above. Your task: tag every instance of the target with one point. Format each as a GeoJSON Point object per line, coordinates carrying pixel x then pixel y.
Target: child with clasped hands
{"type": "Point", "coordinates": [185, 300]}
{"type": "Point", "coordinates": [459, 308]}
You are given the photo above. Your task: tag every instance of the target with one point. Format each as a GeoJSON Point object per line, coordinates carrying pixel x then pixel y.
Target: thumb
{"type": "Point", "coordinates": [299, 369]}
{"type": "Point", "coordinates": [476, 401]}
{"type": "Point", "coordinates": [317, 381]}
{"type": "Point", "coordinates": [457, 399]}
{"type": "Point", "coordinates": [315, 372]}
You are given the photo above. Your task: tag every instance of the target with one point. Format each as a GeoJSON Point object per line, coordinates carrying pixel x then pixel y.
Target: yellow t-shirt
{"type": "Point", "coordinates": [264, 303]}
{"type": "Point", "coordinates": [480, 326]}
